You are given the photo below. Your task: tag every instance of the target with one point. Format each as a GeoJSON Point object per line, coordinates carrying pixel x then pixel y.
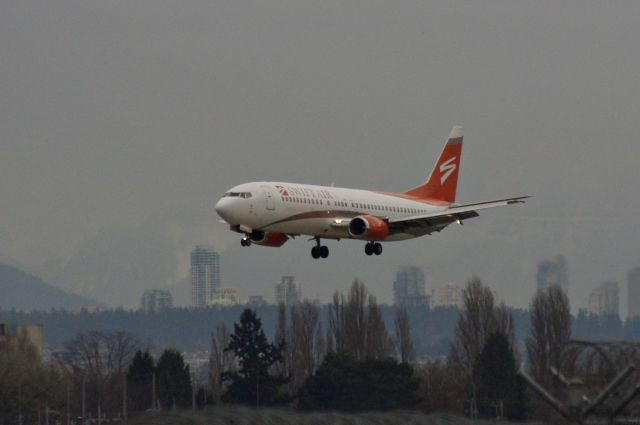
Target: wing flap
{"type": "Point", "coordinates": [450, 215]}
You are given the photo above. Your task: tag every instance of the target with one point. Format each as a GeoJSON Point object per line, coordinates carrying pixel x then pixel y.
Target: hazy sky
{"type": "Point", "coordinates": [122, 122]}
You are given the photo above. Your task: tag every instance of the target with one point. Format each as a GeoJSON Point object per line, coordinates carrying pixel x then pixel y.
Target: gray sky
{"type": "Point", "coordinates": [122, 122]}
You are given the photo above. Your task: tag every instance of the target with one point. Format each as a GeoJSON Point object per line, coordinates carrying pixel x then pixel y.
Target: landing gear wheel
{"type": "Point", "coordinates": [315, 252]}
{"type": "Point", "coordinates": [245, 242]}
{"type": "Point", "coordinates": [368, 249]}
{"type": "Point", "coordinates": [324, 251]}
{"type": "Point", "coordinates": [377, 248]}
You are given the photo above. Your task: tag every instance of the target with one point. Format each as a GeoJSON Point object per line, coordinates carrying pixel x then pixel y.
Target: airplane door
{"type": "Point", "coordinates": [268, 195]}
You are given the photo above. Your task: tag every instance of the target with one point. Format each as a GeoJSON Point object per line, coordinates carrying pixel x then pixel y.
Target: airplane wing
{"type": "Point", "coordinates": [440, 219]}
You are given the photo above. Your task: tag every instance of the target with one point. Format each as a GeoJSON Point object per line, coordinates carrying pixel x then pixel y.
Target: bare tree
{"type": "Point", "coordinates": [475, 323]}
{"type": "Point", "coordinates": [505, 324]}
{"type": "Point", "coordinates": [320, 345]}
{"type": "Point", "coordinates": [281, 335]}
{"type": "Point", "coordinates": [120, 349]}
{"type": "Point", "coordinates": [220, 361]}
{"type": "Point", "coordinates": [329, 348]}
{"type": "Point", "coordinates": [100, 353]}
{"type": "Point", "coordinates": [99, 359]}
{"type": "Point", "coordinates": [559, 323]}
{"type": "Point", "coordinates": [404, 343]}
{"type": "Point", "coordinates": [356, 320]}
{"type": "Point", "coordinates": [305, 330]}
{"type": "Point", "coordinates": [550, 331]}
{"type": "Point", "coordinates": [537, 343]}
{"type": "Point", "coordinates": [376, 337]}
{"type": "Point", "coordinates": [336, 340]}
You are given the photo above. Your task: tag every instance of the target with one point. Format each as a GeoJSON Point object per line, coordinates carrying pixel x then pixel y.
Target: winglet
{"type": "Point", "coordinates": [443, 180]}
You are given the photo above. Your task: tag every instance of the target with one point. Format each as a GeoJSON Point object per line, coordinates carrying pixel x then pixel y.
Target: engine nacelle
{"type": "Point", "coordinates": [368, 227]}
{"type": "Point", "coordinates": [275, 239]}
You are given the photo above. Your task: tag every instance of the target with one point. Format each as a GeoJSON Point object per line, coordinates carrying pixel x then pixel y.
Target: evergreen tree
{"type": "Point", "coordinates": [139, 379]}
{"type": "Point", "coordinates": [498, 387]}
{"type": "Point", "coordinates": [252, 383]}
{"type": "Point", "coordinates": [174, 380]}
{"type": "Point", "coordinates": [343, 383]}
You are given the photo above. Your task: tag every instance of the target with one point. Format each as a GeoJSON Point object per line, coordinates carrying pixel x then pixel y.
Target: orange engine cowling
{"type": "Point", "coordinates": [368, 227]}
{"type": "Point", "coordinates": [275, 239]}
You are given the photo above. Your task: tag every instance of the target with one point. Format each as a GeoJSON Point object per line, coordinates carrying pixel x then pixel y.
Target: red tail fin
{"type": "Point", "coordinates": [443, 181]}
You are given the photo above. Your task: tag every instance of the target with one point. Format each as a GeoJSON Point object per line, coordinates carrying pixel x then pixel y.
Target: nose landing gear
{"type": "Point", "coordinates": [319, 250]}
{"type": "Point", "coordinates": [245, 241]}
{"type": "Point", "coordinates": [373, 248]}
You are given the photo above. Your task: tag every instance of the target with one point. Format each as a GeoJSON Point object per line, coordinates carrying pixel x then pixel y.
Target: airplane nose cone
{"type": "Point", "coordinates": [223, 208]}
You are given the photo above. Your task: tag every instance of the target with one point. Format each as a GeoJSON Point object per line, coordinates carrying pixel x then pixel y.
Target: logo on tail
{"type": "Point", "coordinates": [447, 168]}
{"type": "Point", "coordinates": [443, 181]}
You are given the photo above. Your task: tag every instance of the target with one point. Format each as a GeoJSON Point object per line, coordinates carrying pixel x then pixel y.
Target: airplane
{"type": "Point", "coordinates": [269, 213]}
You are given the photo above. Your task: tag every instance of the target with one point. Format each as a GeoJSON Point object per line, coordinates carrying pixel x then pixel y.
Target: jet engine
{"type": "Point", "coordinates": [368, 227]}
{"type": "Point", "coordinates": [275, 239]}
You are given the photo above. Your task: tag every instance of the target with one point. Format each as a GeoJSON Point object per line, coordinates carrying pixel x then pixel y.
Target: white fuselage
{"type": "Point", "coordinates": [322, 211]}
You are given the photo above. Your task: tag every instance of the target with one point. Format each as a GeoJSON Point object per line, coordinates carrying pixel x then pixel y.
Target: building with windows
{"type": "Point", "coordinates": [12, 333]}
{"type": "Point", "coordinates": [224, 297]}
{"type": "Point", "coordinates": [205, 275]}
{"type": "Point", "coordinates": [288, 291]}
{"type": "Point", "coordinates": [155, 300]}
{"type": "Point", "coordinates": [449, 295]}
{"type": "Point", "coordinates": [604, 300]}
{"type": "Point", "coordinates": [633, 295]}
{"type": "Point", "coordinates": [553, 272]}
{"type": "Point", "coordinates": [409, 287]}
{"type": "Point", "coordinates": [256, 301]}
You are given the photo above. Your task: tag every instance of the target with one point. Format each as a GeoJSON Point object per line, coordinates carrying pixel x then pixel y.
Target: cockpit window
{"type": "Point", "coordinates": [237, 194]}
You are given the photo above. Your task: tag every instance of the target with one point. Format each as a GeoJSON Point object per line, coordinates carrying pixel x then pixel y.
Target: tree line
{"type": "Point", "coordinates": [313, 368]}
{"type": "Point", "coordinates": [188, 329]}
{"type": "Point", "coordinates": [351, 360]}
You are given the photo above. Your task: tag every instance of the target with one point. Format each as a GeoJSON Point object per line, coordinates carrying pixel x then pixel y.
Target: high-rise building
{"type": "Point", "coordinates": [604, 300]}
{"type": "Point", "coordinates": [288, 291]}
{"type": "Point", "coordinates": [409, 287]}
{"type": "Point", "coordinates": [633, 296]}
{"type": "Point", "coordinates": [156, 300]}
{"type": "Point", "coordinates": [553, 272]}
{"type": "Point", "coordinates": [449, 295]}
{"type": "Point", "coordinates": [205, 275]}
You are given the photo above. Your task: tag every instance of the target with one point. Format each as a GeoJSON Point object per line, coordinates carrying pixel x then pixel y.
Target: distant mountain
{"type": "Point", "coordinates": [22, 291]}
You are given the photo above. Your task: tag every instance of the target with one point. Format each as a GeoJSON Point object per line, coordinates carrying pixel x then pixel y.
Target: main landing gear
{"type": "Point", "coordinates": [373, 248]}
{"type": "Point", "coordinates": [319, 250]}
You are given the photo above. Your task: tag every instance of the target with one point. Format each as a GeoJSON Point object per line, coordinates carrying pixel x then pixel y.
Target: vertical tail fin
{"type": "Point", "coordinates": [443, 181]}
